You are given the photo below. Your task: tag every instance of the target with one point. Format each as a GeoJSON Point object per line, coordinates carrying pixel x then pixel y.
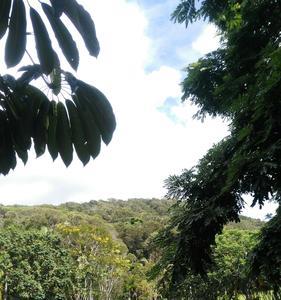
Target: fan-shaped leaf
{"type": "Point", "coordinates": [78, 136]}
{"type": "Point", "coordinates": [100, 107]}
{"type": "Point", "coordinates": [64, 135]}
{"type": "Point", "coordinates": [16, 40]}
{"type": "Point", "coordinates": [63, 36]}
{"type": "Point", "coordinates": [5, 6]}
{"type": "Point", "coordinates": [84, 24]}
{"type": "Point", "coordinates": [52, 129]}
{"type": "Point", "coordinates": [44, 48]}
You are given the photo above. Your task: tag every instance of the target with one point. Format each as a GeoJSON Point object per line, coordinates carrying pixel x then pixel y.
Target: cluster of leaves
{"type": "Point", "coordinates": [34, 265]}
{"type": "Point", "coordinates": [266, 256]}
{"type": "Point", "coordinates": [227, 279]}
{"type": "Point", "coordinates": [26, 113]}
{"type": "Point", "coordinates": [13, 19]}
{"type": "Point", "coordinates": [240, 82]}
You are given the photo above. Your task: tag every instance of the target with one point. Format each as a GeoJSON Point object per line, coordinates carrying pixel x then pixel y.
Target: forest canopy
{"type": "Point", "coordinates": [104, 250]}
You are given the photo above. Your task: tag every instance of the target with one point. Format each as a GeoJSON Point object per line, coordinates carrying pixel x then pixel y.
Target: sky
{"type": "Point", "coordinates": [140, 68]}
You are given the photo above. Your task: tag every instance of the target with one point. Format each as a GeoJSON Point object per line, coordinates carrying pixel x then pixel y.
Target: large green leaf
{"type": "Point", "coordinates": [84, 24]}
{"type": "Point", "coordinates": [100, 108]}
{"type": "Point", "coordinates": [5, 6]}
{"type": "Point", "coordinates": [90, 128]}
{"type": "Point", "coordinates": [58, 6]}
{"type": "Point", "coordinates": [78, 136]}
{"type": "Point", "coordinates": [41, 127]}
{"type": "Point", "coordinates": [52, 130]}
{"type": "Point", "coordinates": [21, 153]}
{"type": "Point", "coordinates": [16, 41]}
{"type": "Point", "coordinates": [7, 153]}
{"type": "Point", "coordinates": [17, 124]}
{"type": "Point", "coordinates": [35, 97]}
{"type": "Point", "coordinates": [64, 141]}
{"type": "Point", "coordinates": [45, 52]}
{"type": "Point", "coordinates": [63, 36]}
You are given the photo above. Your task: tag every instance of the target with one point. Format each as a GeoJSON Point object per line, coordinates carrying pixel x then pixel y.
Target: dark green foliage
{"type": "Point", "coordinates": [63, 137]}
{"type": "Point", "coordinates": [5, 7]}
{"type": "Point", "coordinates": [84, 24]}
{"type": "Point", "coordinates": [27, 114]}
{"type": "Point", "coordinates": [185, 12]}
{"type": "Point", "coordinates": [240, 82]}
{"type": "Point", "coordinates": [52, 130]}
{"type": "Point", "coordinates": [97, 104]}
{"type": "Point", "coordinates": [8, 158]}
{"type": "Point", "coordinates": [77, 133]}
{"type": "Point", "coordinates": [58, 6]}
{"type": "Point", "coordinates": [63, 36]}
{"type": "Point", "coordinates": [16, 41]}
{"type": "Point", "coordinates": [17, 31]}
{"type": "Point", "coordinates": [44, 48]}
{"type": "Point", "coordinates": [34, 265]}
{"type": "Point", "coordinates": [228, 278]}
{"type": "Point", "coordinates": [41, 127]}
{"type": "Point", "coordinates": [266, 256]}
{"type": "Point", "coordinates": [31, 72]}
{"type": "Point", "coordinates": [89, 126]}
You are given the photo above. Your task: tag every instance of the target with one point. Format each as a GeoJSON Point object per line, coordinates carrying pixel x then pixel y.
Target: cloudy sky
{"type": "Point", "coordinates": [140, 69]}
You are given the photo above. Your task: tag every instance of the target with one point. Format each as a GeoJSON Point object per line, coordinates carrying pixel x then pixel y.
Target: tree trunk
{"type": "Point", "coordinates": [6, 289]}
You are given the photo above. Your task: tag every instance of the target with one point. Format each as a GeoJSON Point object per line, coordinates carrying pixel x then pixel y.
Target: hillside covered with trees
{"type": "Point", "coordinates": [106, 250]}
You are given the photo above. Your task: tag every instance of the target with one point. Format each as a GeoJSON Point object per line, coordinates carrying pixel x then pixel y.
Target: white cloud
{"type": "Point", "coordinates": [207, 41]}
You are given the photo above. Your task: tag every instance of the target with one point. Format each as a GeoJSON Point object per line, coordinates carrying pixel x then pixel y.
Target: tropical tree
{"type": "Point", "coordinates": [228, 277]}
{"type": "Point", "coordinates": [101, 262]}
{"type": "Point", "coordinates": [76, 114]}
{"type": "Point", "coordinates": [240, 82]}
{"type": "Point", "coordinates": [34, 265]}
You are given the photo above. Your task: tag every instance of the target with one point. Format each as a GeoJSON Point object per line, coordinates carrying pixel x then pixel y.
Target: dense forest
{"type": "Point", "coordinates": [108, 250]}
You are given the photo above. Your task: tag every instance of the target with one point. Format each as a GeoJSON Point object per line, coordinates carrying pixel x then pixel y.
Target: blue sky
{"type": "Point", "coordinates": [168, 36]}
{"type": "Point", "coordinates": [140, 69]}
